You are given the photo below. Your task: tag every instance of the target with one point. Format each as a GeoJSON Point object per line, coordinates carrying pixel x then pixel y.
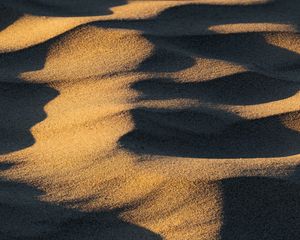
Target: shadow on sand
{"type": "Point", "coordinates": [196, 134]}
{"type": "Point", "coordinates": [253, 208]}
{"type": "Point", "coordinates": [260, 208]}
{"type": "Point", "coordinates": [21, 107]}
{"type": "Point", "coordinates": [66, 8]}
{"type": "Point", "coordinates": [25, 217]}
{"type": "Point", "coordinates": [188, 132]}
{"type": "Point", "coordinates": [21, 103]}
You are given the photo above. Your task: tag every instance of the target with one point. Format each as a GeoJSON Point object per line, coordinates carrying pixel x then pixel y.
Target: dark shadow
{"type": "Point", "coordinates": [240, 48]}
{"type": "Point", "coordinates": [21, 103]}
{"type": "Point", "coordinates": [203, 16]}
{"type": "Point", "coordinates": [295, 176]}
{"type": "Point", "coordinates": [167, 132]}
{"type": "Point", "coordinates": [245, 88]}
{"type": "Point", "coordinates": [7, 16]}
{"type": "Point", "coordinates": [201, 134]}
{"type": "Point", "coordinates": [159, 61]}
{"type": "Point", "coordinates": [192, 132]}
{"type": "Point", "coordinates": [260, 208]}
{"type": "Point", "coordinates": [206, 15]}
{"type": "Point", "coordinates": [5, 166]}
{"type": "Point", "coordinates": [12, 10]}
{"type": "Point", "coordinates": [275, 11]}
{"type": "Point", "coordinates": [254, 208]}
{"type": "Point", "coordinates": [24, 217]}
{"type": "Point", "coordinates": [65, 8]}
{"type": "Point", "coordinates": [21, 107]}
{"type": "Point", "coordinates": [247, 49]}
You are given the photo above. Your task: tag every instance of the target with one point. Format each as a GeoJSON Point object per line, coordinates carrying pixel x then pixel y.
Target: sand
{"type": "Point", "coordinates": [150, 119]}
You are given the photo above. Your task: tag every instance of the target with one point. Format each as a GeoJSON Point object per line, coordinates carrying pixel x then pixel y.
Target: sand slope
{"type": "Point", "coordinates": [150, 119]}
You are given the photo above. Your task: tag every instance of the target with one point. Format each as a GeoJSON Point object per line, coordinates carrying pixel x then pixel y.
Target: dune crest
{"type": "Point", "coordinates": [150, 119]}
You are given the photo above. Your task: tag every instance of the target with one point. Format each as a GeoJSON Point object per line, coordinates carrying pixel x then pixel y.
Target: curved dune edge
{"type": "Point", "coordinates": [150, 120]}
{"type": "Point", "coordinates": [13, 37]}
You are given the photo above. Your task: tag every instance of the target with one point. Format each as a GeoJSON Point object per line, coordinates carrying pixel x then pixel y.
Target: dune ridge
{"type": "Point", "coordinates": [149, 119]}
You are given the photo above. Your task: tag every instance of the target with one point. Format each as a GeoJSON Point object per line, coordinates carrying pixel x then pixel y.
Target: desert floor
{"type": "Point", "coordinates": [135, 120]}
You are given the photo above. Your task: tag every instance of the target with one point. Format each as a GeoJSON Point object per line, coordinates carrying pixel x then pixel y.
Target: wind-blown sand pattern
{"type": "Point", "coordinates": [150, 119]}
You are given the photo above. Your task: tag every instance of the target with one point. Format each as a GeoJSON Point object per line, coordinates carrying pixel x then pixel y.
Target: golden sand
{"type": "Point", "coordinates": [150, 119]}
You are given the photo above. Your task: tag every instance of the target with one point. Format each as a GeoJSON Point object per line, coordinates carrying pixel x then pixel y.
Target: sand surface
{"type": "Point", "coordinates": [152, 120]}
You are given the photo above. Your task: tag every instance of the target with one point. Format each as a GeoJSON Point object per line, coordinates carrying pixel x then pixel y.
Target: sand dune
{"type": "Point", "coordinates": [149, 119]}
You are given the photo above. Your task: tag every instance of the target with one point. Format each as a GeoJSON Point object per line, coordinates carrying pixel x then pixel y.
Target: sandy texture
{"type": "Point", "coordinates": [150, 120]}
